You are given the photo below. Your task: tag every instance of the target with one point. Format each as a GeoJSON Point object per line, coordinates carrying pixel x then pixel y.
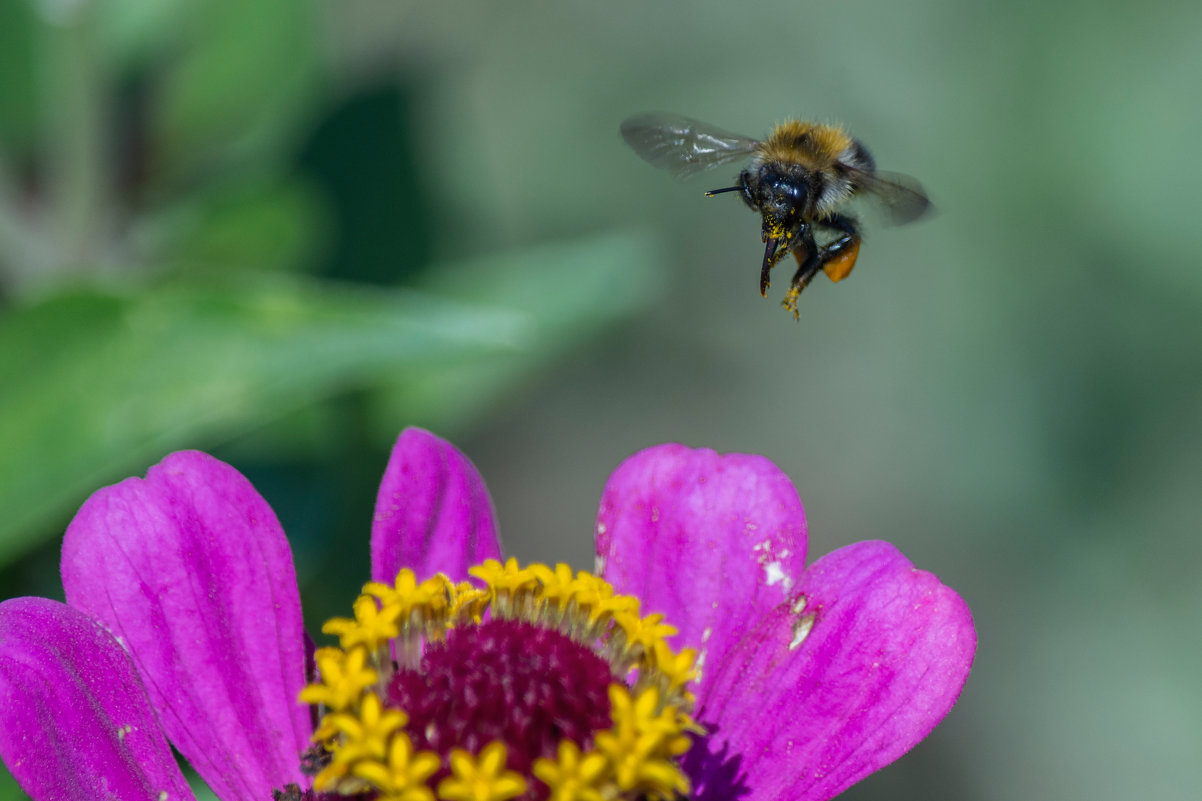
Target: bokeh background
{"type": "Point", "coordinates": [281, 231]}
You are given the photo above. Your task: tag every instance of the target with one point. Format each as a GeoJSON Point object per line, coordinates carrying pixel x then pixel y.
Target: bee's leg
{"type": "Point", "coordinates": [839, 257]}
{"type": "Point", "coordinates": [808, 264]}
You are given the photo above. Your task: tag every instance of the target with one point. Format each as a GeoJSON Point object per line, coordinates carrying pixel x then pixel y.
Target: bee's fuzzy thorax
{"type": "Point", "coordinates": [813, 146]}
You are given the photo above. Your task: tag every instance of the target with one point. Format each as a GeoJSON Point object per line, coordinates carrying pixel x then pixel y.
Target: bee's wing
{"type": "Point", "coordinates": [681, 145]}
{"type": "Point", "coordinates": [900, 197]}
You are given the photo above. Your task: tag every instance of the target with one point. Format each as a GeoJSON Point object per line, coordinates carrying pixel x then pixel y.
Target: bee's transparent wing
{"type": "Point", "coordinates": [683, 146]}
{"type": "Point", "coordinates": [901, 198]}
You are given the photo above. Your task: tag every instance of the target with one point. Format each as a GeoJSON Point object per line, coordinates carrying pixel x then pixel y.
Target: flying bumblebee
{"type": "Point", "coordinates": [800, 180]}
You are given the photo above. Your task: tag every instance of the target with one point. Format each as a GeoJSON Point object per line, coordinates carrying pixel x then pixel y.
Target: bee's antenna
{"type": "Point", "coordinates": [713, 192]}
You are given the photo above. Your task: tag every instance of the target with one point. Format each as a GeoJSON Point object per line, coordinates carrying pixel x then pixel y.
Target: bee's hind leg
{"type": "Point", "coordinates": [839, 257]}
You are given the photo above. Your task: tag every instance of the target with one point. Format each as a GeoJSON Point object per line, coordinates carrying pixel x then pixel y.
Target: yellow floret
{"type": "Point", "coordinates": [645, 631]}
{"type": "Point", "coordinates": [427, 602]}
{"type": "Point", "coordinates": [573, 776]}
{"type": "Point", "coordinates": [372, 626]}
{"type": "Point", "coordinates": [469, 603]}
{"type": "Point", "coordinates": [596, 597]}
{"type": "Point", "coordinates": [643, 744]}
{"type": "Point", "coordinates": [362, 735]}
{"type": "Point", "coordinates": [512, 587]}
{"type": "Point", "coordinates": [482, 778]}
{"type": "Point", "coordinates": [403, 776]}
{"type": "Point", "coordinates": [558, 586]}
{"type": "Point", "coordinates": [676, 669]}
{"type": "Point", "coordinates": [343, 676]}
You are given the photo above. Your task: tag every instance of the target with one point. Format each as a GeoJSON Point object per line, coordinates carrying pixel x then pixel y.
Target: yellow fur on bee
{"type": "Point", "coordinates": [813, 146]}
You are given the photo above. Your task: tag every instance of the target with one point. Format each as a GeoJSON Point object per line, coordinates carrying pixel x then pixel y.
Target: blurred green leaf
{"type": "Point", "coordinates": [9, 791]}
{"type": "Point", "coordinates": [242, 76]}
{"type": "Point", "coordinates": [199, 788]}
{"type": "Point", "coordinates": [136, 31]}
{"type": "Point", "coordinates": [97, 384]}
{"type": "Point", "coordinates": [254, 223]}
{"type": "Point", "coordinates": [567, 291]}
{"type": "Point", "coordinates": [18, 32]}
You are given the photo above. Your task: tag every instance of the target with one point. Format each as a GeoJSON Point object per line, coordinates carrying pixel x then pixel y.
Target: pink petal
{"type": "Point", "coordinates": [190, 569]}
{"type": "Point", "coordinates": [433, 513]}
{"type": "Point", "coordinates": [77, 722]}
{"type": "Point", "coordinates": [713, 542]}
{"type": "Point", "coordinates": [803, 719]}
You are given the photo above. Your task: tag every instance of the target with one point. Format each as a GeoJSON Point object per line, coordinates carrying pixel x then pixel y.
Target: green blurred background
{"type": "Point", "coordinates": [280, 231]}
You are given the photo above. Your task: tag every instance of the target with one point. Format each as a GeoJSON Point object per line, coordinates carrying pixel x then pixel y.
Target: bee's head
{"type": "Point", "coordinates": [782, 199]}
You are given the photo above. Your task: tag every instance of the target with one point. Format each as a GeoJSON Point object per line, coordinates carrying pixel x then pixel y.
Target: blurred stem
{"type": "Point", "coordinates": [20, 249]}
{"type": "Point", "coordinates": [76, 142]}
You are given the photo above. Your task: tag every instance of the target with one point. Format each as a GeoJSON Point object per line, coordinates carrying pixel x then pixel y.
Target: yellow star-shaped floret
{"type": "Point", "coordinates": [403, 776]}
{"type": "Point", "coordinates": [643, 743]}
{"type": "Point", "coordinates": [573, 776]}
{"type": "Point", "coordinates": [344, 676]}
{"type": "Point", "coordinates": [372, 626]}
{"type": "Point", "coordinates": [482, 778]}
{"type": "Point", "coordinates": [676, 668]}
{"type": "Point", "coordinates": [359, 736]}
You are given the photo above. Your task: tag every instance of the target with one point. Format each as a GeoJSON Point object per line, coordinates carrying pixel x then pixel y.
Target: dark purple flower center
{"type": "Point", "coordinates": [507, 680]}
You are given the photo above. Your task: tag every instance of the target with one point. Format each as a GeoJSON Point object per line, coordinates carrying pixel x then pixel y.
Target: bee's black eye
{"type": "Point", "coordinates": [787, 193]}
{"type": "Point", "coordinates": [793, 190]}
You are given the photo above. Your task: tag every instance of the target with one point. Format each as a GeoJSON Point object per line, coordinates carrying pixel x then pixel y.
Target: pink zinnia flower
{"type": "Point", "coordinates": [805, 680]}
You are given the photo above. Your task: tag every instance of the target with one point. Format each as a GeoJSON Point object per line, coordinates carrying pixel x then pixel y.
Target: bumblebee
{"type": "Point", "coordinates": [800, 179]}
